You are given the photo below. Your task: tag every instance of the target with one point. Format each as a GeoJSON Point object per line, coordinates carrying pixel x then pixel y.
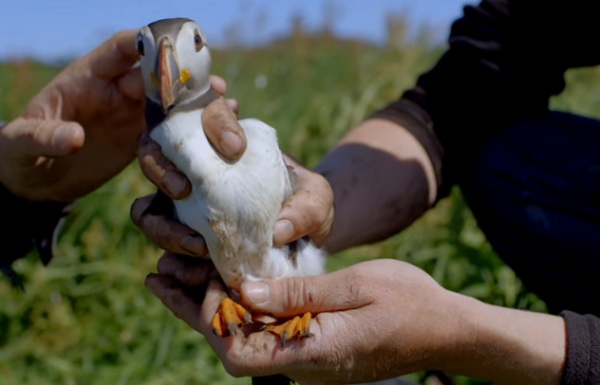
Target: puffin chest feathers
{"type": "Point", "coordinates": [233, 205]}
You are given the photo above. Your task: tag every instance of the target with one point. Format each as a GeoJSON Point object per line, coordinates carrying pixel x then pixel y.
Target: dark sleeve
{"type": "Point", "coordinates": [505, 60]}
{"type": "Point", "coordinates": [26, 226]}
{"type": "Point", "coordinates": [583, 349]}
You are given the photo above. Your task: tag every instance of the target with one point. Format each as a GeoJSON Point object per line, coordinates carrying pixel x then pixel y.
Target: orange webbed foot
{"type": "Point", "coordinates": [229, 316]}
{"type": "Point", "coordinates": [297, 327]}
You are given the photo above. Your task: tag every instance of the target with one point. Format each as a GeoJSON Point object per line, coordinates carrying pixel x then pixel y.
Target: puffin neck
{"type": "Point", "coordinates": [155, 115]}
{"type": "Point", "coordinates": [198, 103]}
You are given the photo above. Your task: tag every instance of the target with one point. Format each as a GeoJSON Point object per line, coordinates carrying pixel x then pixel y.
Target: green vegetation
{"type": "Point", "coordinates": [87, 318]}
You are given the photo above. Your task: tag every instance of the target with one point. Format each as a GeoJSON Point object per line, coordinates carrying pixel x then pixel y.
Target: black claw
{"type": "Point", "coordinates": [283, 339]}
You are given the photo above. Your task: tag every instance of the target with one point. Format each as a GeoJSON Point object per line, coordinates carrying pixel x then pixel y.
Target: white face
{"type": "Point", "coordinates": [175, 65]}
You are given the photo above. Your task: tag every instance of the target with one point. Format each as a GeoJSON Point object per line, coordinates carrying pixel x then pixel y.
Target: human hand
{"type": "Point", "coordinates": [222, 129]}
{"type": "Point", "coordinates": [80, 130]}
{"type": "Point", "coordinates": [221, 126]}
{"type": "Point", "coordinates": [374, 320]}
{"type": "Point", "coordinates": [309, 211]}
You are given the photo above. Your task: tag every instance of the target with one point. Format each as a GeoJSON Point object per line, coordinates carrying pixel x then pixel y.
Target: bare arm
{"type": "Point", "coordinates": [382, 180]}
{"type": "Point", "coordinates": [376, 320]}
{"type": "Point", "coordinates": [490, 342]}
{"type": "Point", "coordinates": [509, 346]}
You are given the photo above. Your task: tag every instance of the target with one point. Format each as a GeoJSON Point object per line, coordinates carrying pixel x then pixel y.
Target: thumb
{"type": "Point", "coordinates": [41, 137]}
{"type": "Point", "coordinates": [296, 295]}
{"type": "Point", "coordinates": [223, 130]}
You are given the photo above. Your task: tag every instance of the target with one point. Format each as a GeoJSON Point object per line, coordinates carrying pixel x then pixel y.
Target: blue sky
{"type": "Point", "coordinates": [55, 29]}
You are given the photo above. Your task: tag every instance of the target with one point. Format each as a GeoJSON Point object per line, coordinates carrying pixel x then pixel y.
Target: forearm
{"type": "Point", "coordinates": [507, 346]}
{"type": "Point", "coordinates": [382, 179]}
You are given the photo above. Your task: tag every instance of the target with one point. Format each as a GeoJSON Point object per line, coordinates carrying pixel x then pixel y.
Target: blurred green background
{"type": "Point", "coordinates": [87, 318]}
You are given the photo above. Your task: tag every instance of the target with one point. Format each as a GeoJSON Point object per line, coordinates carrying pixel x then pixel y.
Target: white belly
{"type": "Point", "coordinates": [235, 206]}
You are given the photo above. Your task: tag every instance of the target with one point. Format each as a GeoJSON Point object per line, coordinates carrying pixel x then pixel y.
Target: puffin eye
{"type": "Point", "coordinates": [198, 43]}
{"type": "Point", "coordinates": [140, 46]}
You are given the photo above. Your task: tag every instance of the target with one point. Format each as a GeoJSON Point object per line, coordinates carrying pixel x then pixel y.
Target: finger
{"type": "Point", "coordinates": [223, 130]}
{"type": "Point", "coordinates": [341, 290]}
{"type": "Point", "coordinates": [227, 348]}
{"type": "Point", "coordinates": [268, 357]}
{"type": "Point", "coordinates": [115, 56]}
{"type": "Point", "coordinates": [33, 137]}
{"type": "Point", "coordinates": [190, 271]}
{"type": "Point", "coordinates": [233, 105]}
{"type": "Point", "coordinates": [132, 85]}
{"type": "Point", "coordinates": [183, 303]}
{"type": "Point", "coordinates": [218, 84]}
{"type": "Point", "coordinates": [161, 171]}
{"type": "Point", "coordinates": [215, 292]}
{"type": "Point", "coordinates": [164, 231]}
{"type": "Point", "coordinates": [309, 211]}
{"type": "Point", "coordinates": [233, 350]}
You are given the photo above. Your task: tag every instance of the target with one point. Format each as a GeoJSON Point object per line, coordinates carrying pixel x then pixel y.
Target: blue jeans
{"type": "Point", "coordinates": [535, 192]}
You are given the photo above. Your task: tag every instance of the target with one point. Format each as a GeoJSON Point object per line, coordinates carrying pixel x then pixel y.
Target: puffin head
{"type": "Point", "coordinates": [175, 61]}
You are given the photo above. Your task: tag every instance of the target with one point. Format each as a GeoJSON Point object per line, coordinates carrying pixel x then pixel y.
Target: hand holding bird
{"type": "Point", "coordinates": [356, 339]}
{"type": "Point", "coordinates": [56, 150]}
{"type": "Point", "coordinates": [233, 205]}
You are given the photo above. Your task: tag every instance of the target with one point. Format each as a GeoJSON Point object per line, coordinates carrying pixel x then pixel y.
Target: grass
{"type": "Point", "coordinates": [87, 318]}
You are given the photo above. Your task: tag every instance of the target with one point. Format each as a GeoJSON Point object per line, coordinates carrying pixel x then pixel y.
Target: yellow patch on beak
{"type": "Point", "coordinates": [153, 78]}
{"type": "Point", "coordinates": [185, 76]}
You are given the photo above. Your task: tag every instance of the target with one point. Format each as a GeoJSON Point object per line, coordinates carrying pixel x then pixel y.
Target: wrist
{"type": "Point", "coordinates": [370, 156]}
{"type": "Point", "coordinates": [507, 346]}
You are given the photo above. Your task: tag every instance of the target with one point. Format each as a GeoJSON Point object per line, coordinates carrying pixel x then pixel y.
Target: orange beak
{"type": "Point", "coordinates": [163, 74]}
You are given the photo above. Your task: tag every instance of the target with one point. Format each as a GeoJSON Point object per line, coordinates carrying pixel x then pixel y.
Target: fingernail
{"type": "Point", "coordinates": [257, 292]}
{"type": "Point", "coordinates": [63, 138]}
{"type": "Point", "coordinates": [194, 244]}
{"type": "Point", "coordinates": [175, 184]}
{"type": "Point", "coordinates": [231, 143]}
{"type": "Point", "coordinates": [284, 230]}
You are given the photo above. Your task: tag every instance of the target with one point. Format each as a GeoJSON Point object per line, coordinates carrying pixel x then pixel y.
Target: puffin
{"type": "Point", "coordinates": [233, 205]}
